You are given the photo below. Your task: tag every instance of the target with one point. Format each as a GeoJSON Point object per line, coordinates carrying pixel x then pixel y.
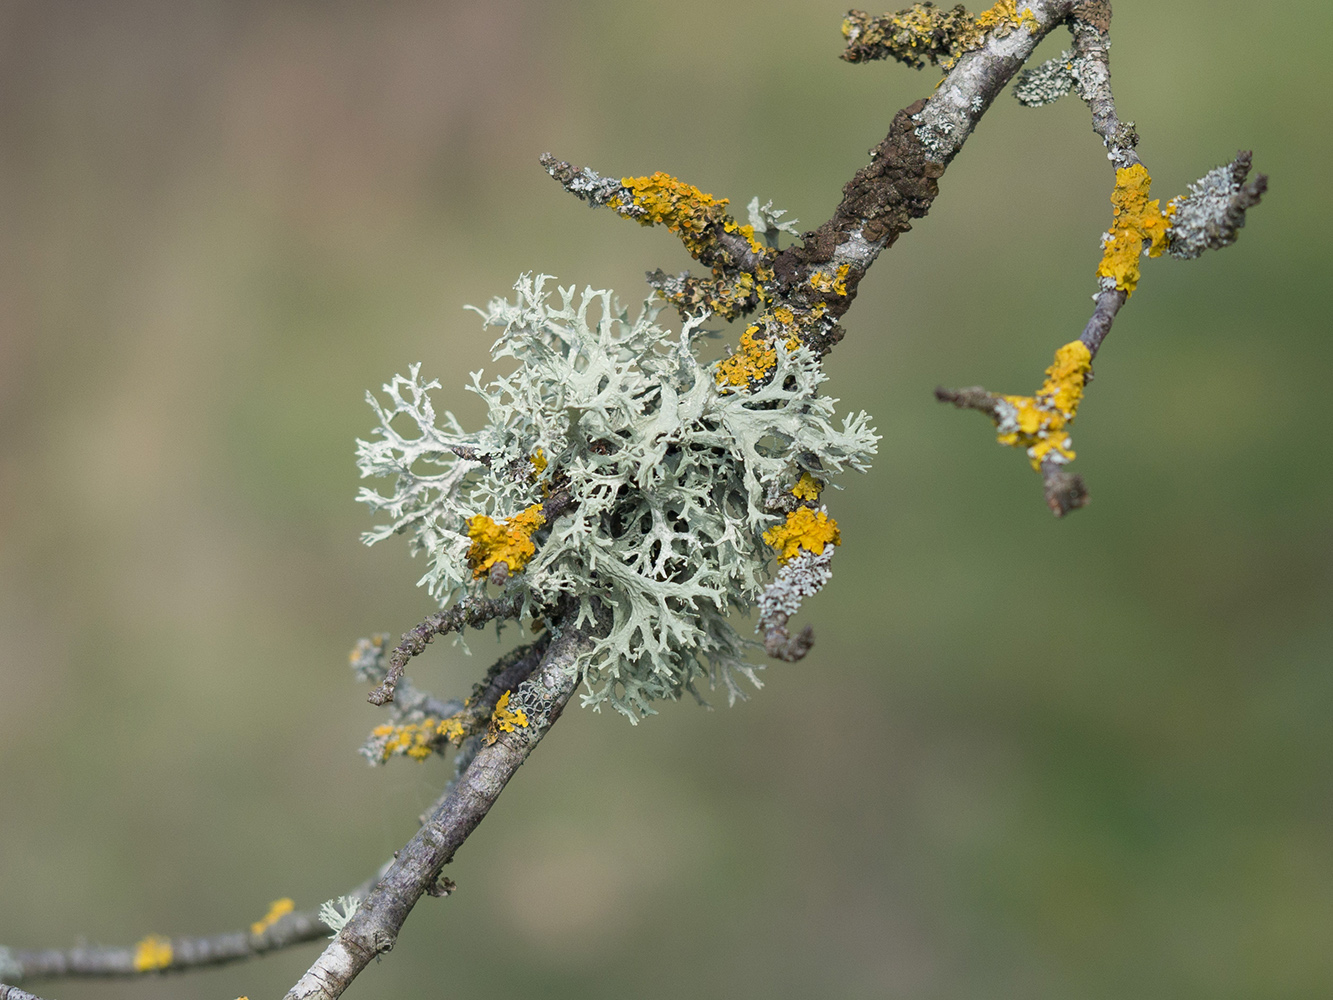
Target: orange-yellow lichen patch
{"type": "Point", "coordinates": [278, 909]}
{"type": "Point", "coordinates": [807, 488]}
{"type": "Point", "coordinates": [538, 460]}
{"type": "Point", "coordinates": [1038, 423]}
{"type": "Point", "coordinates": [804, 529]}
{"type": "Point", "coordinates": [1006, 14]}
{"type": "Point", "coordinates": [752, 363]}
{"type": "Point", "coordinates": [835, 283]}
{"type": "Point", "coordinates": [746, 232]}
{"type": "Point", "coordinates": [453, 729]}
{"type": "Point", "coordinates": [415, 739]}
{"type": "Point", "coordinates": [681, 207]}
{"type": "Point", "coordinates": [925, 33]}
{"type": "Point", "coordinates": [505, 719]}
{"type": "Point", "coordinates": [509, 541]}
{"type": "Point", "coordinates": [1139, 224]}
{"type": "Point", "coordinates": [153, 952]}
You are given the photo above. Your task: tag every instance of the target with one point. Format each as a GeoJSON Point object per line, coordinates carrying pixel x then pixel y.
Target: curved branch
{"type": "Point", "coordinates": [473, 611]}
{"type": "Point", "coordinates": [374, 927]}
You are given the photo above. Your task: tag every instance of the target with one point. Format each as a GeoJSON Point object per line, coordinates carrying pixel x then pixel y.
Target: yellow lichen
{"type": "Point", "coordinates": [1005, 14]}
{"type": "Point", "coordinates": [752, 363]}
{"type": "Point", "coordinates": [925, 33]}
{"type": "Point", "coordinates": [807, 488]}
{"type": "Point", "coordinates": [682, 208]}
{"type": "Point", "coordinates": [453, 729]}
{"type": "Point", "coordinates": [505, 719]}
{"type": "Point", "coordinates": [804, 529]}
{"type": "Point", "coordinates": [509, 541]}
{"type": "Point", "coordinates": [1139, 224]}
{"type": "Point", "coordinates": [415, 739]}
{"type": "Point", "coordinates": [835, 283]}
{"type": "Point", "coordinates": [1038, 423]}
{"type": "Point", "coordinates": [538, 460]}
{"type": "Point", "coordinates": [153, 952]}
{"type": "Point", "coordinates": [278, 909]}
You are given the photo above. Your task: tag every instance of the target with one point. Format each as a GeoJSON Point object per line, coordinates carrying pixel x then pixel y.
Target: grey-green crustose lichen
{"type": "Point", "coordinates": [668, 473]}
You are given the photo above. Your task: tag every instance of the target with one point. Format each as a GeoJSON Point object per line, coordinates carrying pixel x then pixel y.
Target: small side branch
{"type": "Point", "coordinates": [740, 262]}
{"type": "Point", "coordinates": [175, 954]}
{"type": "Point", "coordinates": [14, 993]}
{"type": "Point", "coordinates": [471, 611]}
{"type": "Point", "coordinates": [374, 927]}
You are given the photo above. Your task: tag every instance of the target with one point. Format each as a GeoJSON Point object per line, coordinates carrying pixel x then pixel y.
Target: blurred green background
{"type": "Point", "coordinates": [1027, 758]}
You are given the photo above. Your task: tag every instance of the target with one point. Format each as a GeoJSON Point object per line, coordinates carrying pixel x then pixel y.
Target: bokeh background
{"type": "Point", "coordinates": [1027, 758]}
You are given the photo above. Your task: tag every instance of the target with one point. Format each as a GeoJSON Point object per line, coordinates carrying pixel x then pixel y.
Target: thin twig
{"type": "Point", "coordinates": [470, 611]}
{"type": "Point", "coordinates": [14, 993]}
{"type": "Point", "coordinates": [186, 953]}
{"type": "Point", "coordinates": [374, 927]}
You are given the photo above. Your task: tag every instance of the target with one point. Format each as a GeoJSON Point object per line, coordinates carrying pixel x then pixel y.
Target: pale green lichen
{"type": "Point", "coordinates": [667, 470]}
{"type": "Point", "coordinates": [336, 916]}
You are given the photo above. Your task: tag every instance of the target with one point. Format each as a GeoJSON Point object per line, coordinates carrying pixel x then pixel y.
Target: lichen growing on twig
{"type": "Point", "coordinates": [1039, 423]}
{"type": "Point", "coordinates": [666, 471]}
{"type": "Point", "coordinates": [1139, 227]}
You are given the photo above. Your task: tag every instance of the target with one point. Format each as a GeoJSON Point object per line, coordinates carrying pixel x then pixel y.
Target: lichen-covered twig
{"type": "Point", "coordinates": [282, 928]}
{"type": "Point", "coordinates": [423, 727]}
{"type": "Point", "coordinates": [1208, 217]}
{"type": "Point", "coordinates": [14, 993]}
{"type": "Point", "coordinates": [374, 927]}
{"type": "Point", "coordinates": [470, 611]}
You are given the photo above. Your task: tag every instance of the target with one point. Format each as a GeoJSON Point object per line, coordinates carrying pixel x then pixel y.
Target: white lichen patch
{"type": "Point", "coordinates": [1204, 218]}
{"type": "Point", "coordinates": [667, 473]}
{"type": "Point", "coordinates": [801, 576]}
{"type": "Point", "coordinates": [1047, 83]}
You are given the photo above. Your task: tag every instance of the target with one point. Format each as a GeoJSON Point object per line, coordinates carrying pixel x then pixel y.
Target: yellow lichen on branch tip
{"type": "Point", "coordinates": [453, 729]}
{"type": "Point", "coordinates": [278, 909]}
{"type": "Point", "coordinates": [538, 460]}
{"type": "Point", "coordinates": [415, 739]}
{"type": "Point", "coordinates": [152, 953]}
{"type": "Point", "coordinates": [1139, 224]}
{"type": "Point", "coordinates": [1038, 423]}
{"type": "Point", "coordinates": [804, 529]}
{"type": "Point", "coordinates": [682, 208]}
{"type": "Point", "coordinates": [509, 541]}
{"type": "Point", "coordinates": [807, 487]}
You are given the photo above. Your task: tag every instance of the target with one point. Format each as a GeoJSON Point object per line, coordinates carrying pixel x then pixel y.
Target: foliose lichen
{"type": "Point", "coordinates": [1139, 227]}
{"type": "Point", "coordinates": [1039, 424]}
{"type": "Point", "coordinates": [924, 33]}
{"type": "Point", "coordinates": [667, 470]}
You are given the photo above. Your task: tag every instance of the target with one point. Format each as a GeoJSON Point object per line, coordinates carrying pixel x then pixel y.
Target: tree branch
{"type": "Point", "coordinates": [473, 611]}
{"type": "Point", "coordinates": [185, 952]}
{"type": "Point", "coordinates": [374, 927]}
{"type": "Point", "coordinates": [14, 993]}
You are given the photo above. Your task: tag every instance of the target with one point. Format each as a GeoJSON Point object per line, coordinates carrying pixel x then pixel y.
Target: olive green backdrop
{"type": "Point", "coordinates": [1027, 758]}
